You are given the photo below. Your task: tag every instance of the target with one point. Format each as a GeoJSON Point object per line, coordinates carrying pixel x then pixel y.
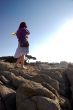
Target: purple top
{"type": "Point", "coordinates": [21, 34]}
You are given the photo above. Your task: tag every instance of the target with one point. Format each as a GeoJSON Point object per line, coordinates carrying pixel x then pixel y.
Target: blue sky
{"type": "Point", "coordinates": [50, 23]}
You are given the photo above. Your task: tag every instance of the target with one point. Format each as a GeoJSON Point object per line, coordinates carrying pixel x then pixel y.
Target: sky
{"type": "Point", "coordinates": [50, 23]}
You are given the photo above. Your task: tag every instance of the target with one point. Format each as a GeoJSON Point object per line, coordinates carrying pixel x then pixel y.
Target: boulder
{"type": "Point", "coordinates": [7, 99]}
{"type": "Point", "coordinates": [29, 89]}
{"type": "Point", "coordinates": [46, 78]}
{"type": "Point", "coordinates": [69, 73]}
{"type": "Point", "coordinates": [45, 103]}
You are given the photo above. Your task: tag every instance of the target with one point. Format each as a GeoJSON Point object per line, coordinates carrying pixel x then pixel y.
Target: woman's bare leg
{"type": "Point", "coordinates": [22, 61]}
{"type": "Point", "coordinates": [18, 61]}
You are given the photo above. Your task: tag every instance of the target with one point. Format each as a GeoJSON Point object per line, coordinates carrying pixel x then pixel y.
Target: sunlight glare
{"type": "Point", "coordinates": [60, 46]}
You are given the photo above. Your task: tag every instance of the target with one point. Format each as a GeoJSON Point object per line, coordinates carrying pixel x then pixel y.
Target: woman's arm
{"type": "Point", "coordinates": [27, 32]}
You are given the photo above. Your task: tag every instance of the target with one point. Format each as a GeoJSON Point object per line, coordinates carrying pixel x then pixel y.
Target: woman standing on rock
{"type": "Point", "coordinates": [23, 44]}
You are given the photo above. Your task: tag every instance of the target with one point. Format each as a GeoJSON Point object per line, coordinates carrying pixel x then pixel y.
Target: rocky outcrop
{"type": "Point", "coordinates": [7, 98]}
{"type": "Point", "coordinates": [36, 95]}
{"type": "Point", "coordinates": [69, 73]}
{"type": "Point", "coordinates": [48, 87]}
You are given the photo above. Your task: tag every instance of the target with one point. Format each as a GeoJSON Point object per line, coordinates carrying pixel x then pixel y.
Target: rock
{"type": "Point", "coordinates": [10, 102]}
{"type": "Point", "coordinates": [27, 104]}
{"type": "Point", "coordinates": [44, 103]}
{"type": "Point", "coordinates": [5, 66]}
{"type": "Point", "coordinates": [49, 87]}
{"type": "Point", "coordinates": [2, 106]}
{"type": "Point", "coordinates": [39, 103]}
{"type": "Point", "coordinates": [7, 99]}
{"type": "Point", "coordinates": [5, 90]}
{"type": "Point", "coordinates": [45, 78]}
{"type": "Point", "coordinates": [69, 73]}
{"type": "Point", "coordinates": [54, 74]}
{"type": "Point", "coordinates": [1, 82]}
{"type": "Point", "coordinates": [14, 80]}
{"type": "Point", "coordinates": [4, 80]}
{"type": "Point", "coordinates": [29, 89]}
{"type": "Point", "coordinates": [63, 64]}
{"type": "Point", "coordinates": [64, 103]}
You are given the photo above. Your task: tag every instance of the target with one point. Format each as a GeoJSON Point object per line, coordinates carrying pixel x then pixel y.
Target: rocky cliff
{"type": "Point", "coordinates": [42, 86]}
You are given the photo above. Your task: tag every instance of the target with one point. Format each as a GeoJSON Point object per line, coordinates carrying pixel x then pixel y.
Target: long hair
{"type": "Point", "coordinates": [22, 25]}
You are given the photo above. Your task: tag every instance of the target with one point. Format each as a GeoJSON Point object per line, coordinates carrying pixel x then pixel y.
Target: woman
{"type": "Point", "coordinates": [23, 45]}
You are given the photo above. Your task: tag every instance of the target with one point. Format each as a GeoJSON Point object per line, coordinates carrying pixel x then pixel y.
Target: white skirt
{"type": "Point", "coordinates": [21, 51]}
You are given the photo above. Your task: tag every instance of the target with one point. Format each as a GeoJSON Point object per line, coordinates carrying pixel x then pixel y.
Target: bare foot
{"type": "Point", "coordinates": [23, 67]}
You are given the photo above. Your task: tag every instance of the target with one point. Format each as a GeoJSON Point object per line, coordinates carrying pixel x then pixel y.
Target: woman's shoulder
{"type": "Point", "coordinates": [23, 31]}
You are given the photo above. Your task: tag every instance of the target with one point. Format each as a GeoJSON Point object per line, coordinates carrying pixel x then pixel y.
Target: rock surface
{"type": "Point", "coordinates": [42, 86]}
